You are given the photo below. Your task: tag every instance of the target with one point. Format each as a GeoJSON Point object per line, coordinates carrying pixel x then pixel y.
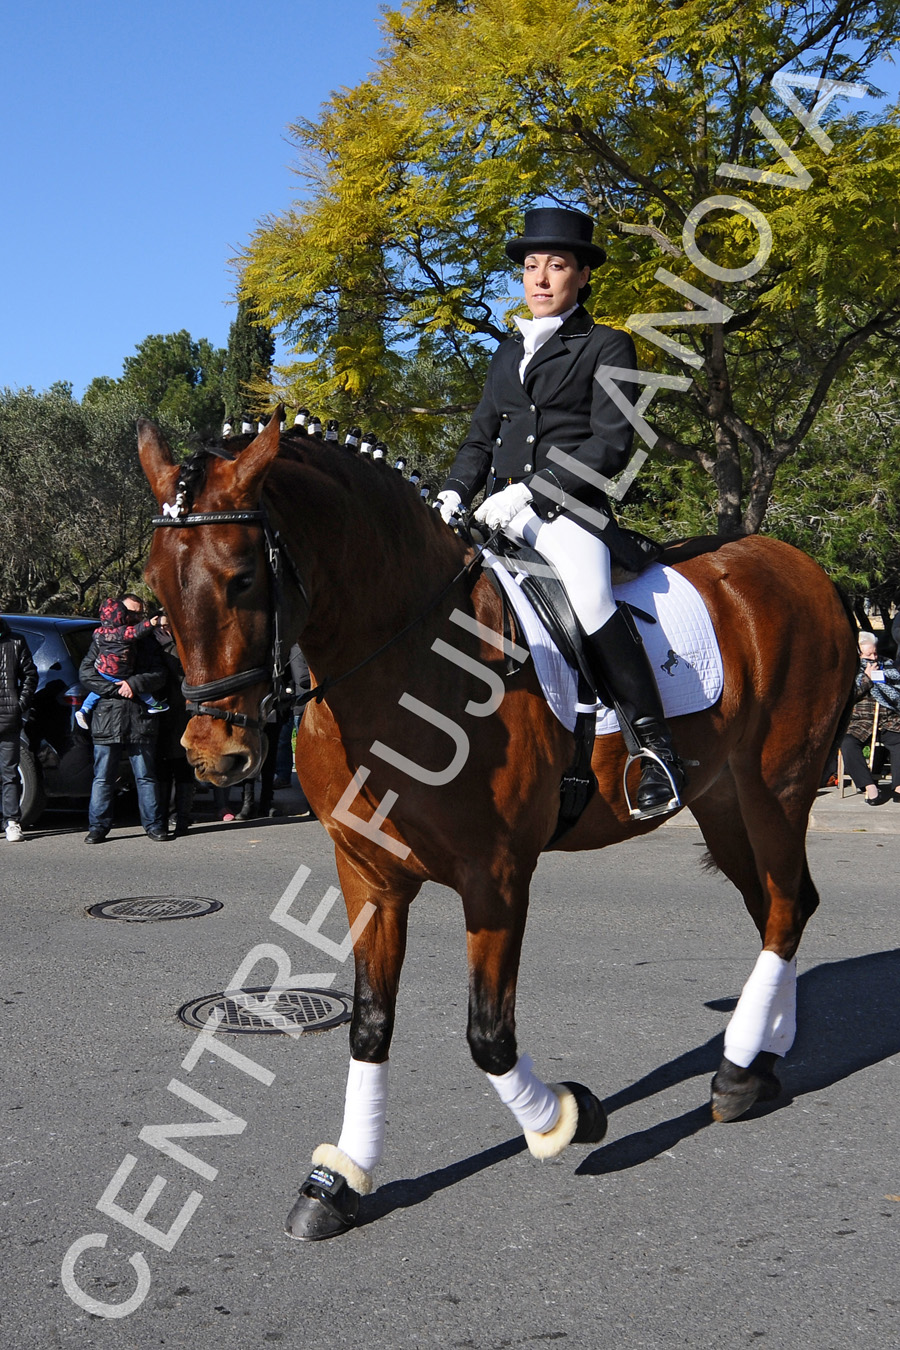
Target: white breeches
{"type": "Point", "coordinates": [766, 1015]}
{"type": "Point", "coordinates": [581, 559]}
{"type": "Point", "coordinates": [365, 1104]}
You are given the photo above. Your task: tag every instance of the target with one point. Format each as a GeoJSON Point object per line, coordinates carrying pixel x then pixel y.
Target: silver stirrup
{"type": "Point", "coordinates": [664, 808]}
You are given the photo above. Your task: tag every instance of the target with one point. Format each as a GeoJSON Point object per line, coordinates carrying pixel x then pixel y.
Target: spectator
{"type": "Point", "coordinates": [877, 684]}
{"type": "Point", "coordinates": [122, 724]}
{"type": "Point", "coordinates": [18, 681]}
{"type": "Point", "coordinates": [301, 683]}
{"type": "Point", "coordinates": [176, 777]}
{"type": "Point", "coordinates": [115, 638]}
{"type": "Point", "coordinates": [275, 772]}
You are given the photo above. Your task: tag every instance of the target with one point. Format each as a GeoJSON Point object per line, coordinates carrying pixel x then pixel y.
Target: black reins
{"type": "Point", "coordinates": [180, 516]}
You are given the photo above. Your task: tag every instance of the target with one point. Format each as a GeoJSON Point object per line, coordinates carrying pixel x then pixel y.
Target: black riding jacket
{"type": "Point", "coordinates": [561, 405]}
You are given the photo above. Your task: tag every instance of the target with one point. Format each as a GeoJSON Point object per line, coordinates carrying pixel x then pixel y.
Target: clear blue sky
{"type": "Point", "coordinates": [141, 143]}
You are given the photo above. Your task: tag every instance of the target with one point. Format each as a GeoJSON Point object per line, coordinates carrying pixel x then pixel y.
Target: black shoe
{"type": "Point", "coordinates": [94, 837]}
{"type": "Point", "coordinates": [159, 836]}
{"type": "Point", "coordinates": [879, 800]}
{"type": "Point", "coordinates": [247, 809]}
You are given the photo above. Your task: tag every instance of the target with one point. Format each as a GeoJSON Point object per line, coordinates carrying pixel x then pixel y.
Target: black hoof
{"type": "Point", "coordinates": [591, 1116]}
{"type": "Point", "coordinates": [325, 1207]}
{"type": "Point", "coordinates": [735, 1090]}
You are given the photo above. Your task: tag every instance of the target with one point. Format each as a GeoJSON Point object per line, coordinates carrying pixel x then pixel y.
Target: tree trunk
{"type": "Point", "coordinates": [728, 478]}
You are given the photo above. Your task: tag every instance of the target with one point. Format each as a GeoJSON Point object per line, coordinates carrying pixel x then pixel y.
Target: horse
{"type": "Point", "coordinates": [429, 755]}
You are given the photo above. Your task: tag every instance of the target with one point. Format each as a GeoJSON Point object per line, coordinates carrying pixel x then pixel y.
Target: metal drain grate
{"type": "Point", "coordinates": [287, 1010]}
{"type": "Point", "coordinates": [153, 908]}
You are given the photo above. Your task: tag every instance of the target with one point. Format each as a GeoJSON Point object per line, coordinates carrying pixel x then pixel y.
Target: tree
{"type": "Point", "coordinates": [174, 378]}
{"type": "Point", "coordinates": [839, 498]}
{"type": "Point", "coordinates": [248, 364]}
{"type": "Point", "coordinates": [75, 509]}
{"type": "Point", "coordinates": [647, 114]}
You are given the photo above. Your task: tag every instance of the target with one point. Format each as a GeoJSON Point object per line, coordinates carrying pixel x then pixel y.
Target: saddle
{"type": "Point", "coordinates": [544, 589]}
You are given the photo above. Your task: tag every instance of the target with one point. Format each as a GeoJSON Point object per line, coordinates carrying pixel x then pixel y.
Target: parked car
{"type": "Point", "coordinates": [57, 756]}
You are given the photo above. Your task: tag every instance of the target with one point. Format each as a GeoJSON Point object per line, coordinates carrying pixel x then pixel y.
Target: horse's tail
{"type": "Point", "coordinates": [847, 711]}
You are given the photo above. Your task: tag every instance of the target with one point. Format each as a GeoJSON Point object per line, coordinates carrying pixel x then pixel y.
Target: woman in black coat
{"type": "Point", "coordinates": [547, 433]}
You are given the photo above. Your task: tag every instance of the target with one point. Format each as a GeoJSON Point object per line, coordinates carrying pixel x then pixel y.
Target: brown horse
{"type": "Point", "coordinates": [431, 762]}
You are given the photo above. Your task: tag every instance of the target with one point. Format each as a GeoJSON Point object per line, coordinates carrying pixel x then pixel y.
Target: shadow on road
{"type": "Point", "coordinates": [412, 1191]}
{"type": "Point", "coordinates": [848, 1018]}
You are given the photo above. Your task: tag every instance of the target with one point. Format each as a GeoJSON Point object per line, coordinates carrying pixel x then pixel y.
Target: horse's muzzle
{"type": "Point", "coordinates": [223, 765]}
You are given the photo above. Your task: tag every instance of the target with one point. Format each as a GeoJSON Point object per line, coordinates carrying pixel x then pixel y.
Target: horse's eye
{"type": "Point", "coordinates": [241, 583]}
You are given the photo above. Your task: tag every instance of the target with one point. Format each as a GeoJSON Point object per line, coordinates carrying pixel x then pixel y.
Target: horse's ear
{"type": "Point", "coordinates": [252, 464]}
{"type": "Point", "coordinates": [156, 459]}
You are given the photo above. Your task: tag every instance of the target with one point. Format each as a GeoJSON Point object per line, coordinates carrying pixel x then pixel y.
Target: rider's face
{"type": "Point", "coordinates": [552, 282]}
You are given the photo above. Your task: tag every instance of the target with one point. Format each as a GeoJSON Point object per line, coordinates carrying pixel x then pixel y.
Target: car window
{"type": "Point", "coordinates": [35, 640]}
{"type": "Point", "coordinates": [77, 641]}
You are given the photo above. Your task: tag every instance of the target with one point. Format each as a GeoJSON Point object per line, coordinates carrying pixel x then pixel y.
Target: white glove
{"type": "Point", "coordinates": [450, 505]}
{"type": "Point", "coordinates": [499, 509]}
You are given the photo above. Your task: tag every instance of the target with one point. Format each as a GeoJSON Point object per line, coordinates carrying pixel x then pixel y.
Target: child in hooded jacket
{"type": "Point", "coordinates": [116, 640]}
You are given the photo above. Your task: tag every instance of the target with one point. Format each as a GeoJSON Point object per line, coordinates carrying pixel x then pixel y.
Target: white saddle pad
{"type": "Point", "coordinates": [681, 645]}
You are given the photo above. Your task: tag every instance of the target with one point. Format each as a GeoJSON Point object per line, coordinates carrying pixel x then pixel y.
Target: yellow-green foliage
{"type": "Point", "coordinates": [477, 109]}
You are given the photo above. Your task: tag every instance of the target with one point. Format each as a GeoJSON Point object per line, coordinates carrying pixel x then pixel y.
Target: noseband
{"type": "Point", "coordinates": [180, 516]}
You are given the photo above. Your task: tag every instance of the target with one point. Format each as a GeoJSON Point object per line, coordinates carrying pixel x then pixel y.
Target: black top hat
{"type": "Point", "coordinates": [552, 228]}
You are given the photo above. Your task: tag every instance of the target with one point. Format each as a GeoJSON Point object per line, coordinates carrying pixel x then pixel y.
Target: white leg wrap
{"type": "Point", "coordinates": [362, 1135]}
{"type": "Point", "coordinates": [766, 1015]}
{"type": "Point", "coordinates": [534, 1105]}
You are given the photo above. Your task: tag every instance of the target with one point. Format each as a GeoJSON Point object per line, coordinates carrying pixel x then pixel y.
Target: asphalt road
{"type": "Point", "coordinates": [780, 1230]}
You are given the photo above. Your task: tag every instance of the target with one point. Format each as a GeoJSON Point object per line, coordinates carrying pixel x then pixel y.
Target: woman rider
{"type": "Point", "coordinates": [541, 398]}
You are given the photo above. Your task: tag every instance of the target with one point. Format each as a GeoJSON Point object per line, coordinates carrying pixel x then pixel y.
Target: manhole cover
{"type": "Point", "coordinates": [287, 1010]}
{"type": "Point", "coordinates": [152, 908]}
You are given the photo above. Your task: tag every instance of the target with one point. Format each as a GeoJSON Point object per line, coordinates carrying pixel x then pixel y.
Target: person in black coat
{"type": "Point", "coordinates": [175, 775]}
{"type": "Point", "coordinates": [123, 724]}
{"type": "Point", "coordinates": [18, 682]}
{"type": "Point", "coordinates": [544, 436]}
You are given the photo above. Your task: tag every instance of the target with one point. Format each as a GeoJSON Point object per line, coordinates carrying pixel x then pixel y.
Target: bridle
{"type": "Point", "coordinates": [180, 516]}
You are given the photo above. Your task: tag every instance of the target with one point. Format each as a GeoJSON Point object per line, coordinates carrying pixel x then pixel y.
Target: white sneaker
{"type": "Point", "coordinates": [14, 832]}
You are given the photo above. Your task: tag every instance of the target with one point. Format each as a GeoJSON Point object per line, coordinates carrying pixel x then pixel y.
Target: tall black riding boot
{"type": "Point", "coordinates": [618, 656]}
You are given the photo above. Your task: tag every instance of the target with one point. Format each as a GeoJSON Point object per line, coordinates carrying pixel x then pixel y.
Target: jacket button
{"type": "Point", "coordinates": [528, 468]}
{"type": "Point", "coordinates": [532, 408]}
{"type": "Point", "coordinates": [499, 440]}
{"type": "Point", "coordinates": [529, 440]}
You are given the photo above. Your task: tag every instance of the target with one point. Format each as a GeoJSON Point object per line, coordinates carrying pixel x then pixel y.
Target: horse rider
{"type": "Point", "coordinates": [540, 398]}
